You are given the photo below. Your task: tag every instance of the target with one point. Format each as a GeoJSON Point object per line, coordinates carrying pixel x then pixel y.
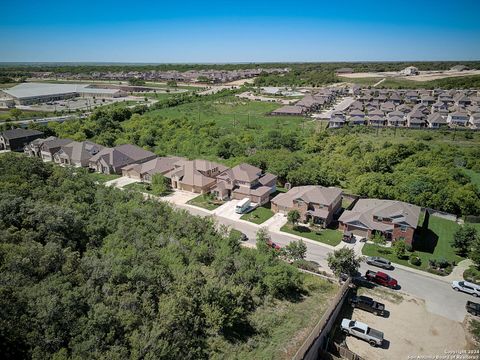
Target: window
{"type": "Point", "coordinates": [403, 228]}
{"type": "Point", "coordinates": [379, 218]}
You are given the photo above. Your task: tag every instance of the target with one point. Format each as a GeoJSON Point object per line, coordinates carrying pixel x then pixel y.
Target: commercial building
{"type": "Point", "coordinates": [33, 93]}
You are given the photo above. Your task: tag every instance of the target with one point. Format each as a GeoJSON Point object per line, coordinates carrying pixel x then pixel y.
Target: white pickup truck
{"type": "Point", "coordinates": [362, 331]}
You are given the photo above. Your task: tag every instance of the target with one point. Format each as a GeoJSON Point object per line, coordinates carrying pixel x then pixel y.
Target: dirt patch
{"type": "Point", "coordinates": [409, 330]}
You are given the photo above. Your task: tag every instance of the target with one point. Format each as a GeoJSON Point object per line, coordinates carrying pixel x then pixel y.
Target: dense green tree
{"type": "Point", "coordinates": [296, 250]}
{"type": "Point", "coordinates": [343, 261]}
{"type": "Point", "coordinates": [293, 216]}
{"type": "Point", "coordinates": [463, 238]}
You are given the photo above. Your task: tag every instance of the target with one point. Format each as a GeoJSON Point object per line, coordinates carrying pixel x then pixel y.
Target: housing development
{"type": "Point", "coordinates": [240, 180]}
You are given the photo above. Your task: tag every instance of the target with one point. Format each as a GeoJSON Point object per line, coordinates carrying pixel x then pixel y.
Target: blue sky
{"type": "Point", "coordinates": [239, 31]}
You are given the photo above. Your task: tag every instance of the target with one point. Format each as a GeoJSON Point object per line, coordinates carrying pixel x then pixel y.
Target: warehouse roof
{"type": "Point", "coordinates": [31, 90]}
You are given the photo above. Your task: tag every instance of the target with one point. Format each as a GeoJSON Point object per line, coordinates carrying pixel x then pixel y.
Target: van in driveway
{"type": "Point", "coordinates": [466, 287]}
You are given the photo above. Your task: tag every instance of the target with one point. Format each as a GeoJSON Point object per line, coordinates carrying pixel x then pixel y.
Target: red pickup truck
{"type": "Point", "coordinates": [381, 279]}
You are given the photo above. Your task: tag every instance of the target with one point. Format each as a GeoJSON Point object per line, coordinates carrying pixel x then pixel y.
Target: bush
{"type": "Point", "coordinates": [443, 263]}
{"type": "Point", "coordinates": [409, 247]}
{"type": "Point", "coordinates": [415, 260]}
{"type": "Point", "coordinates": [432, 263]}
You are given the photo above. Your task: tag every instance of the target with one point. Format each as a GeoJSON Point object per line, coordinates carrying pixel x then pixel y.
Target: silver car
{"type": "Point", "coordinates": [379, 262]}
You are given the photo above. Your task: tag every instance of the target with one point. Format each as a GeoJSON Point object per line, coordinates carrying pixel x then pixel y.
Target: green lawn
{"type": "Point", "coordinates": [259, 215]}
{"type": "Point", "coordinates": [432, 243]}
{"type": "Point", "coordinates": [103, 178]}
{"type": "Point", "coordinates": [281, 326]}
{"type": "Point", "coordinates": [205, 202]}
{"type": "Point", "coordinates": [326, 236]}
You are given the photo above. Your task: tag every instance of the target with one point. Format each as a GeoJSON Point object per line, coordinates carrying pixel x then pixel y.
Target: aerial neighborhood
{"type": "Point", "coordinates": [316, 205]}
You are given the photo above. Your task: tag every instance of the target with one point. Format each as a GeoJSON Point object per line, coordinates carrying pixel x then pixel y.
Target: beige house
{"type": "Point", "coordinates": [197, 176]}
{"type": "Point", "coordinates": [76, 153]}
{"type": "Point", "coordinates": [396, 220]}
{"type": "Point", "coordinates": [245, 181]}
{"type": "Point", "coordinates": [145, 171]}
{"type": "Point", "coordinates": [314, 203]}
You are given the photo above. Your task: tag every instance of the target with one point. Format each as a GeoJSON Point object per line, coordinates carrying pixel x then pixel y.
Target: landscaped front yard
{"type": "Point", "coordinates": [205, 201]}
{"type": "Point", "coordinates": [432, 243]}
{"type": "Point", "coordinates": [326, 236]}
{"type": "Point", "coordinates": [259, 215]}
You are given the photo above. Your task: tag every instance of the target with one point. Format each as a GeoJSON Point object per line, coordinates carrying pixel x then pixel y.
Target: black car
{"type": "Point", "coordinates": [473, 308]}
{"type": "Point", "coordinates": [367, 304]}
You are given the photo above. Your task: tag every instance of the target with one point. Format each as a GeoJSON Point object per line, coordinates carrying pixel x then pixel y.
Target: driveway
{"type": "Point", "coordinates": [227, 210]}
{"type": "Point", "coordinates": [121, 182]}
{"type": "Point", "coordinates": [179, 197]}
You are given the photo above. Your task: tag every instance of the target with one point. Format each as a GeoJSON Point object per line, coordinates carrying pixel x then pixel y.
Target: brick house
{"type": "Point", "coordinates": [396, 220]}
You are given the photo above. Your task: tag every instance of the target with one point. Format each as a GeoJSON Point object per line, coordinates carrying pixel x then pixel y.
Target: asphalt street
{"type": "Point", "coordinates": [439, 297]}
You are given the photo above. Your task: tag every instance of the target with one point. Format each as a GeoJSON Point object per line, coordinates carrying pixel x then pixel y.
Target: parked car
{"type": "Point", "coordinates": [368, 304]}
{"type": "Point", "coordinates": [473, 308]}
{"type": "Point", "coordinates": [362, 331]}
{"type": "Point", "coordinates": [466, 287]}
{"type": "Point", "coordinates": [360, 281]}
{"type": "Point", "coordinates": [273, 245]}
{"type": "Point", "coordinates": [380, 262]}
{"type": "Point", "coordinates": [381, 278]}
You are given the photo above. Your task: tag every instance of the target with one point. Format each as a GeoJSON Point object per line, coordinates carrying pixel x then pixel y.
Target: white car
{"type": "Point", "coordinates": [466, 287]}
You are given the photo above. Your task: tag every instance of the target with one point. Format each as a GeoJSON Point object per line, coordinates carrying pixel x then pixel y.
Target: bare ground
{"type": "Point", "coordinates": [409, 330]}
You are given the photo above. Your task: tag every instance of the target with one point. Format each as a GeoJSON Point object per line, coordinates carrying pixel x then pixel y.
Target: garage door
{"type": "Point", "coordinates": [358, 231]}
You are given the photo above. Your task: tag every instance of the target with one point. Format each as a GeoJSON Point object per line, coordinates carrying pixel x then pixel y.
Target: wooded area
{"type": "Point", "coordinates": [92, 272]}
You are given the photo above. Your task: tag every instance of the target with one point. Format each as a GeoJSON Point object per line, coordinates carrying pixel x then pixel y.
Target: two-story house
{"type": "Point", "coordinates": [458, 118]}
{"type": "Point", "coordinates": [337, 119]}
{"type": "Point", "coordinates": [198, 176]}
{"type": "Point", "coordinates": [245, 181]}
{"type": "Point", "coordinates": [76, 153]}
{"type": "Point", "coordinates": [356, 117]}
{"type": "Point", "coordinates": [396, 220]}
{"type": "Point", "coordinates": [314, 203]}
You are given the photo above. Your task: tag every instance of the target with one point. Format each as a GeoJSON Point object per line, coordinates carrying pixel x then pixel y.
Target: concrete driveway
{"type": "Point", "coordinates": [179, 197]}
{"type": "Point", "coordinates": [227, 210]}
{"type": "Point", "coordinates": [121, 182]}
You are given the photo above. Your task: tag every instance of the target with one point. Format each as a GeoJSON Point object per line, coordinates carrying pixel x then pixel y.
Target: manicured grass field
{"type": "Point", "coordinates": [103, 178]}
{"type": "Point", "coordinates": [433, 243]}
{"type": "Point", "coordinates": [259, 215]}
{"type": "Point", "coordinates": [326, 236]}
{"type": "Point", "coordinates": [205, 202]}
{"type": "Point", "coordinates": [281, 326]}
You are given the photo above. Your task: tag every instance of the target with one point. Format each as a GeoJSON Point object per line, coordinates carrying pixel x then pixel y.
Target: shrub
{"type": "Point", "coordinates": [432, 263]}
{"type": "Point", "coordinates": [442, 263]}
{"type": "Point", "coordinates": [415, 260]}
{"type": "Point", "coordinates": [409, 247]}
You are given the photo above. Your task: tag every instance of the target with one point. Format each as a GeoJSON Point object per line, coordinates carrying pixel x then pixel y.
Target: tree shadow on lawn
{"type": "Point", "coordinates": [425, 241]}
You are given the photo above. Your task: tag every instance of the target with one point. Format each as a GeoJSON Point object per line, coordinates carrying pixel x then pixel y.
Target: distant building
{"type": "Point", "coordinates": [459, 68]}
{"type": "Point", "coordinates": [409, 71]}
{"type": "Point", "coordinates": [33, 93]}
